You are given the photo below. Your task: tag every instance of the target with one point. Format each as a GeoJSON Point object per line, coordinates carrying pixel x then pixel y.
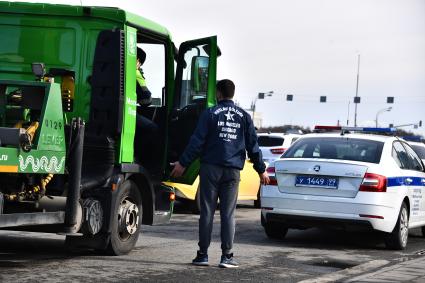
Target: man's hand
{"type": "Point", "coordinates": [264, 178]}
{"type": "Point", "coordinates": [178, 169]}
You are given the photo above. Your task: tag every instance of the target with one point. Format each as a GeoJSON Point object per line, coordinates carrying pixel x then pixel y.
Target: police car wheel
{"type": "Point", "coordinates": [275, 230]}
{"type": "Point", "coordinates": [397, 239]}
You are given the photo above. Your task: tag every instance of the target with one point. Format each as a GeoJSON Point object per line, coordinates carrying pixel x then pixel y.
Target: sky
{"type": "Point", "coordinates": [308, 48]}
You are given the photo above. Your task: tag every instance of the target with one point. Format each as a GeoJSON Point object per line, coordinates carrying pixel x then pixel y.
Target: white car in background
{"type": "Point", "coordinates": [346, 180]}
{"type": "Point", "coordinates": [273, 145]}
{"type": "Point", "coordinates": [419, 148]}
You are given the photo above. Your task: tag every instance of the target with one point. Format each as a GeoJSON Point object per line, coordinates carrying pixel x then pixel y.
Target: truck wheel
{"type": "Point", "coordinates": [397, 239]}
{"type": "Point", "coordinates": [257, 202]}
{"type": "Point", "coordinates": [275, 230]}
{"type": "Point", "coordinates": [127, 219]}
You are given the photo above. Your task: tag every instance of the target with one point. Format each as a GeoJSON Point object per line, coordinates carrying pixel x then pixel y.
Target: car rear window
{"type": "Point", "coordinates": [420, 150]}
{"type": "Point", "coordinates": [270, 141]}
{"type": "Point", "coordinates": [336, 148]}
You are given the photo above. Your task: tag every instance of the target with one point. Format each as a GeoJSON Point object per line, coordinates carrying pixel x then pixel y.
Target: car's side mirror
{"type": "Point", "coordinates": [199, 78]}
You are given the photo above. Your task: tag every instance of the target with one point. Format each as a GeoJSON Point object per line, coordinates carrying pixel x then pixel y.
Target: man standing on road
{"type": "Point", "coordinates": [223, 136]}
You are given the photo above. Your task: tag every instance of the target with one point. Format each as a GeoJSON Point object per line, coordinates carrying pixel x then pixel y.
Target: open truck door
{"type": "Point", "coordinates": [194, 91]}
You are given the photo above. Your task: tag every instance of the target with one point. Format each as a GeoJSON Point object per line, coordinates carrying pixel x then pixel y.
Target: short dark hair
{"type": "Point", "coordinates": [141, 55]}
{"type": "Point", "coordinates": [226, 88]}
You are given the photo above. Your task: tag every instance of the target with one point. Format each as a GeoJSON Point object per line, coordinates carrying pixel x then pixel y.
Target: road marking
{"type": "Point", "coordinates": [355, 270]}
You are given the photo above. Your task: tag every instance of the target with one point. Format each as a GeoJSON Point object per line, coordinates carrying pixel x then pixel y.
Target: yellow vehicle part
{"type": "Point", "coordinates": [35, 192]}
{"type": "Point", "coordinates": [185, 191]}
{"type": "Point", "coordinates": [31, 130]}
{"type": "Point", "coordinates": [248, 186]}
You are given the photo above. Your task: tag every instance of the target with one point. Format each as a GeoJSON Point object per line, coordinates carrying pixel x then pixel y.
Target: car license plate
{"type": "Point", "coordinates": [316, 181]}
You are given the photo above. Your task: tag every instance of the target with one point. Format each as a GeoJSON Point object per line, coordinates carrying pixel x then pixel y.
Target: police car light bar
{"type": "Point", "coordinates": [413, 138]}
{"type": "Point", "coordinates": [356, 129]}
{"type": "Point", "coordinates": [328, 128]}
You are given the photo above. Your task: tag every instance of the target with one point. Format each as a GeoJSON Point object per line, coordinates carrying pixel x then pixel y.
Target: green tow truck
{"type": "Point", "coordinates": [72, 160]}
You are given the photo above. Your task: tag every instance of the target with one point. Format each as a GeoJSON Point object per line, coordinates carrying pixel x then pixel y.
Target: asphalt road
{"type": "Point", "coordinates": [164, 253]}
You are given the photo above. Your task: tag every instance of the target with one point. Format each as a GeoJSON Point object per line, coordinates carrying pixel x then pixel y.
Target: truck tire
{"type": "Point", "coordinates": [275, 230]}
{"type": "Point", "coordinates": [127, 219]}
{"type": "Point", "coordinates": [397, 239]}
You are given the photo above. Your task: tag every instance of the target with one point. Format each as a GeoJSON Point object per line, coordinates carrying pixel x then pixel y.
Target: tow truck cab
{"type": "Point", "coordinates": [72, 159]}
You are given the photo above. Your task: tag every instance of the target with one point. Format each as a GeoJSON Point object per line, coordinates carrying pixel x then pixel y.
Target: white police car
{"type": "Point", "coordinates": [273, 145]}
{"type": "Point", "coordinates": [346, 180]}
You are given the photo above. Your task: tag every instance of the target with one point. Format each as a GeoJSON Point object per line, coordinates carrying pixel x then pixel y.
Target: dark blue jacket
{"type": "Point", "coordinates": [222, 137]}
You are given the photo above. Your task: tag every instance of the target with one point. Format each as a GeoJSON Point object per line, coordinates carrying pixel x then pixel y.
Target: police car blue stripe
{"type": "Point", "coordinates": [401, 181]}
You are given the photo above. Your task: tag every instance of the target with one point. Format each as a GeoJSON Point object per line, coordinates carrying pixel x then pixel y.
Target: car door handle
{"type": "Point", "coordinates": [408, 181]}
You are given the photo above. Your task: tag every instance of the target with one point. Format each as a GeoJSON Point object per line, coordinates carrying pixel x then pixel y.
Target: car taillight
{"type": "Point", "coordinates": [373, 183]}
{"type": "Point", "coordinates": [279, 150]}
{"type": "Point", "coordinates": [273, 180]}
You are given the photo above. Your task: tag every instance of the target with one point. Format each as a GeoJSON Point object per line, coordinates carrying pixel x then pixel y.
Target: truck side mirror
{"type": "Point", "coordinates": [38, 70]}
{"type": "Point", "coordinates": [199, 78]}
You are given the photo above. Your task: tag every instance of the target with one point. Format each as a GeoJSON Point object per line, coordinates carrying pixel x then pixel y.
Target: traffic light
{"type": "Point", "coordinates": [261, 95]}
{"type": "Point", "coordinates": [323, 99]}
{"type": "Point", "coordinates": [289, 97]}
{"type": "Point", "coordinates": [420, 123]}
{"type": "Point", "coordinates": [390, 99]}
{"type": "Point", "coordinates": [357, 99]}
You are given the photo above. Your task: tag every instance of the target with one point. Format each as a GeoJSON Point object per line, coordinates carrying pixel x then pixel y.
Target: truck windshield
{"type": "Point", "coordinates": [337, 148]}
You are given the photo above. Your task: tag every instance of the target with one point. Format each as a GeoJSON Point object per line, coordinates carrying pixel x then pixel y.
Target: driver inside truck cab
{"type": "Point", "coordinates": [146, 129]}
{"type": "Point", "coordinates": [144, 96]}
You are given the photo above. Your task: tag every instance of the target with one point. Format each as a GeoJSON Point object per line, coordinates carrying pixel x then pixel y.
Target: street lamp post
{"type": "Point", "coordinates": [388, 109]}
{"type": "Point", "coordinates": [261, 95]}
{"type": "Point", "coordinates": [357, 90]}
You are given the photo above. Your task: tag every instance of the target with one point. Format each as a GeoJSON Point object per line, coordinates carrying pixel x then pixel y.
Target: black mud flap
{"type": "Point", "coordinates": [164, 204]}
{"type": "Point", "coordinates": [101, 240]}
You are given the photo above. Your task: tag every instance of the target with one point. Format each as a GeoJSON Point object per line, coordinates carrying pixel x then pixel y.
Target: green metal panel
{"type": "Point", "coordinates": [169, 92]}
{"type": "Point", "coordinates": [147, 24]}
{"type": "Point", "coordinates": [192, 171]}
{"type": "Point", "coordinates": [41, 161]}
{"type": "Point", "coordinates": [35, 161]}
{"type": "Point", "coordinates": [48, 152]}
{"type": "Point", "coordinates": [63, 36]}
{"type": "Point", "coordinates": [130, 97]}
{"type": "Point", "coordinates": [212, 73]}
{"type": "Point", "coordinates": [51, 134]}
{"type": "Point", "coordinates": [109, 13]}
{"type": "Point", "coordinates": [57, 41]}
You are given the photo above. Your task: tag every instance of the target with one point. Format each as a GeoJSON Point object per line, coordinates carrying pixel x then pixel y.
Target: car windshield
{"type": "Point", "coordinates": [336, 148]}
{"type": "Point", "coordinates": [420, 150]}
{"type": "Point", "coordinates": [270, 141]}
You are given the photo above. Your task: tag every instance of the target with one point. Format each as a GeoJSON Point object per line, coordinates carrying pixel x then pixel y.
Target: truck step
{"type": "Point", "coordinates": [28, 219]}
